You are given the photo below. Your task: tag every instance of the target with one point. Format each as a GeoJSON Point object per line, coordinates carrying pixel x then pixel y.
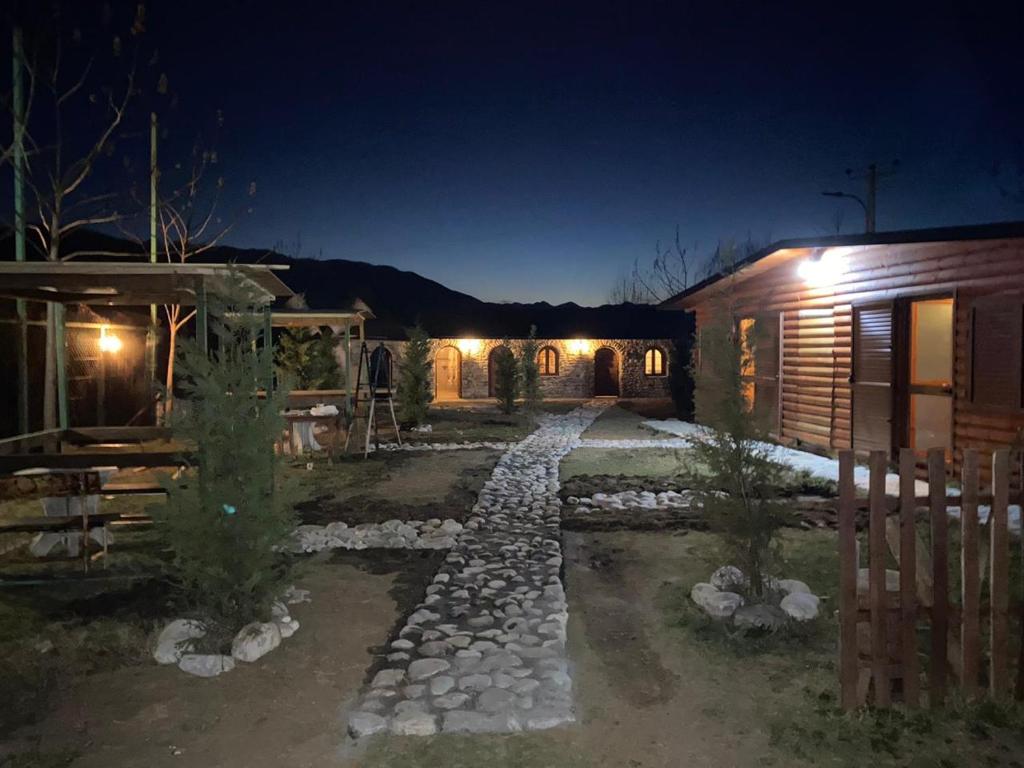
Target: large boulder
{"type": "Point", "coordinates": [802, 606]}
{"type": "Point", "coordinates": [255, 640]}
{"type": "Point", "coordinates": [702, 592]}
{"type": "Point", "coordinates": [722, 605]}
{"type": "Point", "coordinates": [789, 586]}
{"type": "Point", "coordinates": [365, 724]}
{"type": "Point", "coordinates": [177, 639]}
{"type": "Point", "coordinates": [728, 577]}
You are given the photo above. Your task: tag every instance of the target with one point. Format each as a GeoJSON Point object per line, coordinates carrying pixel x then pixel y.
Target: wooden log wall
{"type": "Point", "coordinates": [816, 400]}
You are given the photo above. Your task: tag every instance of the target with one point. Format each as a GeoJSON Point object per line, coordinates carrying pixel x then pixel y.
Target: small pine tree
{"type": "Point", "coordinates": [225, 520]}
{"type": "Point", "coordinates": [306, 360]}
{"type": "Point", "coordinates": [506, 377]}
{"type": "Point", "coordinates": [530, 371]}
{"type": "Point", "coordinates": [413, 391]}
{"type": "Point", "coordinates": [739, 493]}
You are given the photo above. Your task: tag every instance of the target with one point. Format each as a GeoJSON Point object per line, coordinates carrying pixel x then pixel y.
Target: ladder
{"type": "Point", "coordinates": [376, 387]}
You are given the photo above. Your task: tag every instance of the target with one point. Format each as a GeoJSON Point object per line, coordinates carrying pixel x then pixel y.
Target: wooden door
{"type": "Point", "coordinates": [448, 373]}
{"type": "Point", "coordinates": [606, 373]}
{"type": "Point", "coordinates": [872, 378]}
{"type": "Point", "coordinates": [492, 367]}
{"type": "Point", "coordinates": [930, 375]}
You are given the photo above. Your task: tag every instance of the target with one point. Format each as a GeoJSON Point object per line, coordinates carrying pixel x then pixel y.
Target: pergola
{"type": "Point", "coordinates": [116, 284]}
{"type": "Point", "coordinates": [346, 321]}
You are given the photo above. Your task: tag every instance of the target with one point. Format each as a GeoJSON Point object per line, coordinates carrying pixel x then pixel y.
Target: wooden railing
{"type": "Point", "coordinates": [882, 665]}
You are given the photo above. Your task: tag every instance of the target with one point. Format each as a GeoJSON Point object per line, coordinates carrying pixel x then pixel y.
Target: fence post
{"type": "Point", "coordinates": [970, 578]}
{"type": "Point", "coordinates": [847, 582]}
{"type": "Point", "coordinates": [908, 578]}
{"type": "Point", "coordinates": [999, 574]}
{"type": "Point", "coordinates": [940, 574]}
{"type": "Point", "coordinates": [879, 595]}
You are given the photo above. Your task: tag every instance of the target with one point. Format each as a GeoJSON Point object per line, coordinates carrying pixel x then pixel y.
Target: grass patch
{"type": "Point", "coordinates": [537, 750]}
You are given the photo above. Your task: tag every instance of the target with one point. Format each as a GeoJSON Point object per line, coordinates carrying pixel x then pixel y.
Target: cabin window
{"type": "Point", "coordinates": [654, 362]}
{"type": "Point", "coordinates": [748, 363]}
{"type": "Point", "coordinates": [997, 328]}
{"type": "Point", "coordinates": [547, 361]}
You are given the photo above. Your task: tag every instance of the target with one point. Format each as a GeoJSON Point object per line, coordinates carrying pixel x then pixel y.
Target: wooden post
{"type": "Point", "coordinates": [970, 578]}
{"type": "Point", "coordinates": [348, 370]}
{"type": "Point", "coordinates": [940, 574]}
{"type": "Point", "coordinates": [60, 343]}
{"type": "Point", "coordinates": [908, 580]}
{"type": "Point", "coordinates": [877, 551]}
{"type": "Point", "coordinates": [999, 575]}
{"type": "Point", "coordinates": [847, 582]}
{"type": "Point", "coordinates": [202, 333]}
{"type": "Point", "coordinates": [268, 348]}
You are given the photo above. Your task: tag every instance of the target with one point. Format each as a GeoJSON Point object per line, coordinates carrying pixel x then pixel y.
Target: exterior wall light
{"type": "Point", "coordinates": [469, 346]}
{"type": "Point", "coordinates": [822, 270]}
{"type": "Point", "coordinates": [578, 346]}
{"type": "Point", "coordinates": [109, 342]}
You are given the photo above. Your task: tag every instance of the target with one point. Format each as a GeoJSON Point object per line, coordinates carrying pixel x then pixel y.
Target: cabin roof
{"type": "Point", "coordinates": [785, 250]}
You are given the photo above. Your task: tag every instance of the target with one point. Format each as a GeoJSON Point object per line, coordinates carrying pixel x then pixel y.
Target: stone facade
{"type": "Point", "coordinates": [575, 365]}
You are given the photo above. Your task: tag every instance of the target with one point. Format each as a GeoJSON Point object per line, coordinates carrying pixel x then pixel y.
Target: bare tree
{"type": "Point", "coordinates": [71, 127]}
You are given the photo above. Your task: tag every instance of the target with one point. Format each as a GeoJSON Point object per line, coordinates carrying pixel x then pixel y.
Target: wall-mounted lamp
{"type": "Point", "coordinates": [578, 346]}
{"type": "Point", "coordinates": [823, 269]}
{"type": "Point", "coordinates": [109, 342]}
{"type": "Point", "coordinates": [469, 346]}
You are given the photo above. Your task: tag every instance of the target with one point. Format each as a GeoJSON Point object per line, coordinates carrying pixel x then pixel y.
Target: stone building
{"type": "Point", "coordinates": [463, 368]}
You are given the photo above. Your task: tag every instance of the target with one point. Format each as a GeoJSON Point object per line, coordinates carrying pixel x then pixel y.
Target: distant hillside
{"type": "Point", "coordinates": [399, 298]}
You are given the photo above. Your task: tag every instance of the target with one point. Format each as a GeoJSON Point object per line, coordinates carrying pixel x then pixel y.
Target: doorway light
{"type": "Point", "coordinates": [823, 269]}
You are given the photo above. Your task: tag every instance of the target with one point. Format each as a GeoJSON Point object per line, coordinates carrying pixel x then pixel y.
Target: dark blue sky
{"type": "Point", "coordinates": [531, 151]}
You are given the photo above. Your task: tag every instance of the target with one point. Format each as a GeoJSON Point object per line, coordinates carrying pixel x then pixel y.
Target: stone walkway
{"type": "Point", "coordinates": [485, 650]}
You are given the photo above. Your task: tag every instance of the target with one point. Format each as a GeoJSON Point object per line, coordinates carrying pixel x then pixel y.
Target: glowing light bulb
{"type": "Point", "coordinates": [109, 342]}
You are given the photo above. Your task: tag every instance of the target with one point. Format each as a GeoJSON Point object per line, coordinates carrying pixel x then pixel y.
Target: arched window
{"type": "Point", "coordinates": [547, 361]}
{"type": "Point", "coordinates": [654, 362]}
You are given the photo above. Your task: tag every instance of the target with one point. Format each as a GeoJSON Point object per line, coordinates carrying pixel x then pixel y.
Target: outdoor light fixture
{"type": "Point", "coordinates": [109, 342]}
{"type": "Point", "coordinates": [823, 269]}
{"type": "Point", "coordinates": [579, 346]}
{"type": "Point", "coordinates": [469, 346]}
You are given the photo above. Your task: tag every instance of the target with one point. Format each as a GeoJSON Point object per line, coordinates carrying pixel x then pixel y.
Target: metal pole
{"type": "Point", "coordinates": [151, 333]}
{"type": "Point", "coordinates": [869, 211]}
{"type": "Point", "coordinates": [18, 108]}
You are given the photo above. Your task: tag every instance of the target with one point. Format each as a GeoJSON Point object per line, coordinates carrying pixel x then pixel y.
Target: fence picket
{"type": "Point", "coordinates": [940, 575]}
{"type": "Point", "coordinates": [908, 580]}
{"type": "Point", "coordinates": [970, 578]}
{"type": "Point", "coordinates": [847, 582]}
{"type": "Point", "coordinates": [999, 575]}
{"type": "Point", "coordinates": [877, 551]}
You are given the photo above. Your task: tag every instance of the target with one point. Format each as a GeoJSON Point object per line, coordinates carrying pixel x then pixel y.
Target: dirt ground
{"type": "Point", "coordinates": [624, 420]}
{"type": "Point", "coordinates": [287, 710]}
{"type": "Point", "coordinates": [399, 485]}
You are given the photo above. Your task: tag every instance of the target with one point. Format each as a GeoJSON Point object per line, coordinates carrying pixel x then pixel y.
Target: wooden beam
{"type": "Point", "coordinates": [908, 580]}
{"type": "Point", "coordinates": [999, 576]}
{"type": "Point", "coordinates": [970, 625]}
{"type": "Point", "coordinates": [940, 575]}
{"type": "Point", "coordinates": [847, 582]}
{"type": "Point", "coordinates": [877, 552]}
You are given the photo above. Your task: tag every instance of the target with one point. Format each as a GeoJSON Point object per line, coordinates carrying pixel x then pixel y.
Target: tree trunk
{"type": "Point", "coordinates": [50, 368]}
{"type": "Point", "coordinates": [172, 343]}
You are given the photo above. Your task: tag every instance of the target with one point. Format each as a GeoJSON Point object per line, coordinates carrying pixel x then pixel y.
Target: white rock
{"type": "Point", "coordinates": [802, 606]}
{"type": "Point", "coordinates": [205, 664]}
{"type": "Point", "coordinates": [421, 669]}
{"type": "Point", "coordinates": [414, 723]}
{"type": "Point", "coordinates": [728, 576]}
{"type": "Point", "coordinates": [176, 639]}
{"type": "Point", "coordinates": [255, 640]}
{"type": "Point", "coordinates": [365, 724]}
{"type": "Point", "coordinates": [288, 628]}
{"type": "Point", "coordinates": [702, 592]}
{"type": "Point", "coordinates": [387, 678]}
{"type": "Point", "coordinates": [722, 605]}
{"type": "Point", "coordinates": [789, 586]}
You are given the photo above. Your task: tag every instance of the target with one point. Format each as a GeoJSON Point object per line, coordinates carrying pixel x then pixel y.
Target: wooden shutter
{"type": "Point", "coordinates": [997, 325]}
{"type": "Point", "coordinates": [872, 378]}
{"type": "Point", "coordinates": [766, 371]}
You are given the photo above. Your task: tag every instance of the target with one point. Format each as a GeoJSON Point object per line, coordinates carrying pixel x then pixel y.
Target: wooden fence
{"type": "Point", "coordinates": [880, 628]}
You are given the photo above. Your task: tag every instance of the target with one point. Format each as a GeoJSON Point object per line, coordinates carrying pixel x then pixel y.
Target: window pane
{"type": "Point", "coordinates": [931, 421]}
{"type": "Point", "coordinates": [932, 342]}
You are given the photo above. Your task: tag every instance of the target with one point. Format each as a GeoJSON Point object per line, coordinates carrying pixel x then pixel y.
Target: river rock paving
{"type": "Point", "coordinates": [485, 650]}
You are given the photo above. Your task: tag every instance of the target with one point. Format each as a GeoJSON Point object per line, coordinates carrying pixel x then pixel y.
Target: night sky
{"type": "Point", "coordinates": [522, 151]}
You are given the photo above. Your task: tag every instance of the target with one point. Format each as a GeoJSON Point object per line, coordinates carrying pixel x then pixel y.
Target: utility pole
{"type": "Point", "coordinates": [18, 108]}
{"type": "Point", "coordinates": [869, 203]}
{"type": "Point", "coordinates": [151, 334]}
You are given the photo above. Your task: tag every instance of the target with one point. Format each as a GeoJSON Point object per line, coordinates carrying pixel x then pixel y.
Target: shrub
{"type": "Point", "coordinates": [413, 392]}
{"type": "Point", "coordinates": [739, 492]}
{"type": "Point", "coordinates": [306, 360]}
{"type": "Point", "coordinates": [225, 520]}
{"type": "Point", "coordinates": [530, 371]}
{"type": "Point", "coordinates": [506, 377]}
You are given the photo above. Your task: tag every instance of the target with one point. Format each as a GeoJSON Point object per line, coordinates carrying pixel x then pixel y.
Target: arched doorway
{"type": "Point", "coordinates": [448, 374]}
{"type": "Point", "coordinates": [606, 373]}
{"type": "Point", "coordinates": [492, 367]}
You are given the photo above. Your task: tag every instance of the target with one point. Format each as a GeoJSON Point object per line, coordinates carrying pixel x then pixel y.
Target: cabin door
{"type": "Point", "coordinates": [929, 416]}
{"type": "Point", "coordinates": [606, 373]}
{"type": "Point", "coordinates": [871, 378]}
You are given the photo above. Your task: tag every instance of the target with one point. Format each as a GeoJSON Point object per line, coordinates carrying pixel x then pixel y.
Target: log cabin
{"type": "Point", "coordinates": [882, 340]}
